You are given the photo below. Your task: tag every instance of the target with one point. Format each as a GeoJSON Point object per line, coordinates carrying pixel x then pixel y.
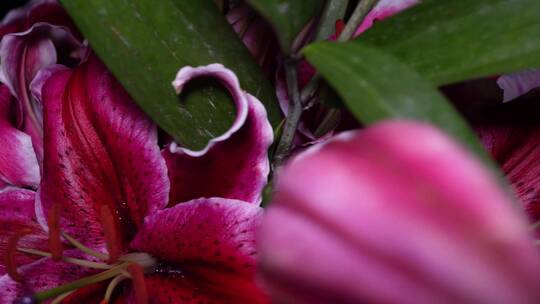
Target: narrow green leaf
{"type": "Point", "coordinates": [450, 41]}
{"type": "Point", "coordinates": [288, 17]}
{"type": "Point", "coordinates": [144, 43]}
{"type": "Point", "coordinates": [376, 86]}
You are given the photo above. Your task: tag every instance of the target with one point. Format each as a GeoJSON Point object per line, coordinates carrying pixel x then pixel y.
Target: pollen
{"type": "Point", "coordinates": [112, 239]}
{"type": "Point", "coordinates": [55, 244]}
{"type": "Point", "coordinates": [11, 252]}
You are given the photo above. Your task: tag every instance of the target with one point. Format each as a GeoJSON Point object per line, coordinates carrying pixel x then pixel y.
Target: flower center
{"type": "Point", "coordinates": [113, 267]}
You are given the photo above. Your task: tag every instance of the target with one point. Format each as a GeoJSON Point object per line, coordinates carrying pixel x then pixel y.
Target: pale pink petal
{"type": "Point", "coordinates": [22, 55]}
{"type": "Point", "coordinates": [517, 84]}
{"type": "Point", "coordinates": [100, 149]}
{"type": "Point", "coordinates": [18, 162]}
{"type": "Point", "coordinates": [40, 275]}
{"type": "Point", "coordinates": [211, 241]}
{"type": "Point", "coordinates": [398, 213]}
{"type": "Point", "coordinates": [383, 10]}
{"type": "Point", "coordinates": [234, 165]}
{"type": "Point", "coordinates": [17, 213]}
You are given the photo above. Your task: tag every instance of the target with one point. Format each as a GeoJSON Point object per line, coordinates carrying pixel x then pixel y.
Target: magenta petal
{"type": "Point", "coordinates": [517, 150]}
{"type": "Point", "coordinates": [397, 213]}
{"type": "Point", "coordinates": [18, 213]}
{"type": "Point", "coordinates": [383, 10]}
{"type": "Point", "coordinates": [210, 240]}
{"type": "Point", "coordinates": [100, 149]}
{"type": "Point", "coordinates": [18, 162]}
{"type": "Point", "coordinates": [517, 84]}
{"type": "Point", "coordinates": [22, 55]}
{"type": "Point", "coordinates": [234, 165]}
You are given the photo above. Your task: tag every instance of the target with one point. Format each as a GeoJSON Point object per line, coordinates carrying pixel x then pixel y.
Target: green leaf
{"type": "Point", "coordinates": [376, 86]}
{"type": "Point", "coordinates": [144, 43]}
{"type": "Point", "coordinates": [288, 17]}
{"type": "Point", "coordinates": [450, 41]}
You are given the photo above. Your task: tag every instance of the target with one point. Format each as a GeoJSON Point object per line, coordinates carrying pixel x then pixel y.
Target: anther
{"type": "Point", "coordinates": [55, 244]}
{"type": "Point", "coordinates": [111, 234]}
{"type": "Point", "coordinates": [11, 252]}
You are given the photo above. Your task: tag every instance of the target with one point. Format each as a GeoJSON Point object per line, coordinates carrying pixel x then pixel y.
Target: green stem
{"type": "Point", "coordinates": [293, 117]}
{"type": "Point", "coordinates": [360, 12]}
{"type": "Point", "coordinates": [102, 276]}
{"type": "Point", "coordinates": [333, 11]}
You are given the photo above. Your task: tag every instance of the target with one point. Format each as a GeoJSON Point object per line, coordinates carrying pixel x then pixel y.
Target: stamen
{"type": "Point", "coordinates": [340, 25]}
{"type": "Point", "coordinates": [84, 248]}
{"type": "Point", "coordinates": [139, 286]}
{"type": "Point", "coordinates": [535, 226]}
{"type": "Point", "coordinates": [61, 297]}
{"type": "Point", "coordinates": [55, 244]}
{"type": "Point", "coordinates": [111, 234]}
{"type": "Point", "coordinates": [11, 250]}
{"type": "Point", "coordinates": [75, 261]}
{"type": "Point", "coordinates": [112, 285]}
{"type": "Point", "coordinates": [99, 277]}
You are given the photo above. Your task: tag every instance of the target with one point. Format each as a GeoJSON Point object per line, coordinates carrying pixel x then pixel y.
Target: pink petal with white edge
{"type": "Point", "coordinates": [227, 79]}
{"type": "Point", "coordinates": [211, 241]}
{"type": "Point", "coordinates": [18, 162]}
{"type": "Point", "coordinates": [234, 165]}
{"type": "Point", "coordinates": [383, 10]}
{"type": "Point", "coordinates": [100, 149]}
{"type": "Point", "coordinates": [397, 213]}
{"type": "Point", "coordinates": [22, 55]}
{"type": "Point", "coordinates": [17, 206]}
{"type": "Point", "coordinates": [517, 84]}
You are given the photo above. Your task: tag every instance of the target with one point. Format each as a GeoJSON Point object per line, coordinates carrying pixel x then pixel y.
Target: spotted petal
{"type": "Point", "coordinates": [208, 250]}
{"type": "Point", "coordinates": [517, 150]}
{"type": "Point", "coordinates": [234, 165]}
{"type": "Point", "coordinates": [100, 149]}
{"type": "Point", "coordinates": [17, 213]}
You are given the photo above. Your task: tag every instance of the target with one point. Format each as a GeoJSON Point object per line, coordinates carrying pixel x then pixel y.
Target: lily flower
{"type": "Point", "coordinates": [35, 37]}
{"type": "Point", "coordinates": [395, 213]}
{"type": "Point", "coordinates": [108, 228]}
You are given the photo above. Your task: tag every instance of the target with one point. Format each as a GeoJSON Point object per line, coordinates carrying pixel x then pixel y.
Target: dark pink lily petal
{"type": "Point", "coordinates": [517, 84]}
{"type": "Point", "coordinates": [396, 213]}
{"type": "Point", "coordinates": [23, 55]}
{"type": "Point", "coordinates": [18, 213]}
{"type": "Point", "coordinates": [234, 165]}
{"type": "Point", "coordinates": [257, 35]}
{"type": "Point", "coordinates": [49, 11]}
{"type": "Point", "coordinates": [41, 275]}
{"type": "Point", "coordinates": [18, 162]}
{"type": "Point", "coordinates": [209, 242]}
{"type": "Point", "coordinates": [517, 150]}
{"type": "Point", "coordinates": [383, 10]}
{"type": "Point", "coordinates": [100, 149]}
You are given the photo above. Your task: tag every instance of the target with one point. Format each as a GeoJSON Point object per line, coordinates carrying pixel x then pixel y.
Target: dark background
{"type": "Point", "coordinates": [6, 5]}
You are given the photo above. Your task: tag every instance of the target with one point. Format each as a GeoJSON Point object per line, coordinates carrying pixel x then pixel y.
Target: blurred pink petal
{"type": "Point", "coordinates": [212, 242]}
{"type": "Point", "coordinates": [233, 165]}
{"type": "Point", "coordinates": [398, 213]}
